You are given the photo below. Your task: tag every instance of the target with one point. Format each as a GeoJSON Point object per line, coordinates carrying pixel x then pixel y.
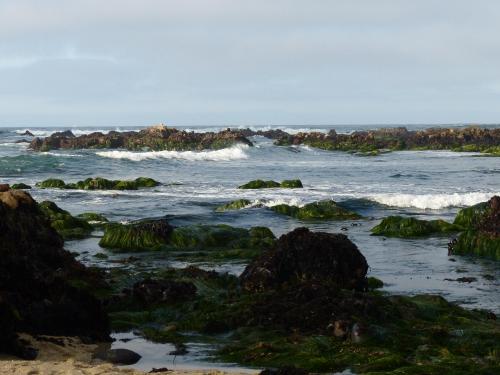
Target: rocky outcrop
{"type": "Point", "coordinates": [482, 234]}
{"type": "Point", "coordinates": [68, 226]}
{"type": "Point", "coordinates": [302, 256]}
{"type": "Point", "coordinates": [456, 139]}
{"type": "Point", "coordinates": [321, 210]}
{"type": "Point", "coordinates": [407, 227]}
{"type": "Point", "coordinates": [99, 183]}
{"type": "Point", "coordinates": [43, 289]}
{"type": "Point", "coordinates": [154, 138]}
{"type": "Point", "coordinates": [261, 184]}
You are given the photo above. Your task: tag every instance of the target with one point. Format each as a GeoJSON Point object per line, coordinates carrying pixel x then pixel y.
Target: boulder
{"type": "Point", "coordinates": [99, 183]}
{"type": "Point", "coordinates": [68, 226]}
{"type": "Point", "coordinates": [302, 256]}
{"type": "Point", "coordinates": [43, 289]}
{"type": "Point", "coordinates": [118, 356]}
{"type": "Point", "coordinates": [20, 186]}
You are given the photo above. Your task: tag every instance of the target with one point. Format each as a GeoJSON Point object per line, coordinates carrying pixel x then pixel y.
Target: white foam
{"type": "Point", "coordinates": [236, 152]}
{"type": "Point", "coordinates": [432, 201]}
{"type": "Point", "coordinates": [276, 202]}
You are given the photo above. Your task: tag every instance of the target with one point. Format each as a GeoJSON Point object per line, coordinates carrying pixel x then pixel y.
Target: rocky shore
{"type": "Point", "coordinates": [304, 300]}
{"type": "Point", "coordinates": [370, 142]}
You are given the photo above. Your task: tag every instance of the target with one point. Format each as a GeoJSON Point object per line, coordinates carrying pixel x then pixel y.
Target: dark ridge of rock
{"type": "Point", "coordinates": [43, 289]}
{"type": "Point", "coordinates": [28, 133]}
{"type": "Point", "coordinates": [302, 256]}
{"type": "Point", "coordinates": [155, 138]}
{"type": "Point", "coordinates": [457, 139]}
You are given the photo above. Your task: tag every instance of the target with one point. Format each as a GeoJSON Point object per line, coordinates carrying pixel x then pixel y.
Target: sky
{"type": "Point", "coordinates": [242, 62]}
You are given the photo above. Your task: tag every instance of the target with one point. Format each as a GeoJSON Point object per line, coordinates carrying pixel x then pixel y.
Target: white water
{"type": "Point", "coordinates": [232, 153]}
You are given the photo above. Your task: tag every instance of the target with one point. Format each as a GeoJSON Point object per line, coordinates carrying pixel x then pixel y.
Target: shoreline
{"type": "Point", "coordinates": [76, 357]}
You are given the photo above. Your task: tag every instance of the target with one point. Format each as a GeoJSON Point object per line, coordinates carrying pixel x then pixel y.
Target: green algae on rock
{"type": "Point", "coordinates": [321, 210]}
{"type": "Point", "coordinates": [20, 186]}
{"type": "Point", "coordinates": [68, 226]}
{"type": "Point", "coordinates": [234, 205]}
{"type": "Point", "coordinates": [482, 235]}
{"type": "Point", "coordinates": [406, 227]}
{"type": "Point", "coordinates": [143, 235]}
{"type": "Point", "coordinates": [261, 184]}
{"type": "Point", "coordinates": [99, 183]}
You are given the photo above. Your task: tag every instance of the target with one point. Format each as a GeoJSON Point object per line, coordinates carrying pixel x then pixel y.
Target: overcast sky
{"type": "Point", "coordinates": [123, 62]}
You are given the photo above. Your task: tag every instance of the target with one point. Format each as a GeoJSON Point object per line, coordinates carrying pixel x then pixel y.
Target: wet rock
{"type": "Point", "coordinates": [99, 183]}
{"type": "Point", "coordinates": [234, 205]}
{"type": "Point", "coordinates": [155, 138]}
{"type": "Point", "coordinates": [301, 256]}
{"type": "Point", "coordinates": [20, 186]}
{"type": "Point", "coordinates": [482, 234]}
{"type": "Point", "coordinates": [261, 184]}
{"type": "Point", "coordinates": [118, 356]}
{"type": "Point", "coordinates": [43, 289]}
{"type": "Point", "coordinates": [151, 291]}
{"type": "Point", "coordinates": [4, 187]}
{"type": "Point", "coordinates": [68, 226]}
{"type": "Point", "coordinates": [322, 210]}
{"type": "Point", "coordinates": [142, 235]}
{"type": "Point", "coordinates": [407, 227]}
{"type": "Point", "coordinates": [463, 279]}
{"type": "Point", "coordinates": [28, 133]}
{"type": "Point", "coordinates": [372, 141]}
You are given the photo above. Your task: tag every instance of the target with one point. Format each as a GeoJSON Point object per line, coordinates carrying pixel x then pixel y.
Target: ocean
{"type": "Point", "coordinates": [421, 184]}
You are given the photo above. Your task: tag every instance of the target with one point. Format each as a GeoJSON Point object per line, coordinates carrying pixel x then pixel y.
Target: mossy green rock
{"type": "Point", "coordinates": [99, 183]}
{"type": "Point", "coordinates": [471, 217]}
{"type": "Point", "coordinates": [234, 205]}
{"type": "Point", "coordinates": [20, 186]}
{"type": "Point", "coordinates": [51, 183]}
{"type": "Point", "coordinates": [322, 210]}
{"type": "Point", "coordinates": [220, 237]}
{"type": "Point", "coordinates": [68, 226]}
{"type": "Point", "coordinates": [261, 184]}
{"type": "Point", "coordinates": [144, 235]}
{"type": "Point", "coordinates": [404, 227]}
{"type": "Point", "coordinates": [291, 184]}
{"type": "Point", "coordinates": [477, 243]}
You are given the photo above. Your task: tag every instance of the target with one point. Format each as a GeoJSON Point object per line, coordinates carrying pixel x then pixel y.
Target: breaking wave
{"type": "Point", "coordinates": [232, 153]}
{"type": "Point", "coordinates": [431, 201]}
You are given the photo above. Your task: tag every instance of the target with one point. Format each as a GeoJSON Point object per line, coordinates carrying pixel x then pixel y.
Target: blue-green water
{"type": "Point", "coordinates": [427, 184]}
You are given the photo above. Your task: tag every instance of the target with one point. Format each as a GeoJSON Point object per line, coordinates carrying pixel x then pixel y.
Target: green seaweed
{"type": "Point", "coordinates": [476, 243]}
{"type": "Point", "coordinates": [99, 183]}
{"type": "Point", "coordinates": [407, 227]}
{"type": "Point", "coordinates": [321, 210]}
{"type": "Point", "coordinates": [20, 186]}
{"type": "Point", "coordinates": [68, 226]}
{"type": "Point", "coordinates": [234, 205]}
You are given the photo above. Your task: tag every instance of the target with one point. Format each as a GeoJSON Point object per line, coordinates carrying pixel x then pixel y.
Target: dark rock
{"type": "Point", "coordinates": [4, 187]}
{"type": "Point", "coordinates": [157, 370]}
{"type": "Point", "coordinates": [43, 289]}
{"type": "Point", "coordinates": [28, 133]}
{"type": "Point", "coordinates": [156, 138]}
{"type": "Point", "coordinates": [301, 256]}
{"type": "Point", "coordinates": [162, 291]}
{"type": "Point", "coordinates": [286, 370]}
{"type": "Point", "coordinates": [118, 356]}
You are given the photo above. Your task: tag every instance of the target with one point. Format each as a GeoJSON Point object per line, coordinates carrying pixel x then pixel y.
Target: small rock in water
{"type": "Point", "coordinates": [161, 369]}
{"type": "Point", "coordinates": [119, 356]}
{"type": "Point", "coordinates": [463, 279]}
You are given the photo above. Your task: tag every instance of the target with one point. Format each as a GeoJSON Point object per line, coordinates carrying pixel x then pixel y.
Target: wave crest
{"type": "Point", "coordinates": [232, 153]}
{"type": "Point", "coordinates": [431, 201]}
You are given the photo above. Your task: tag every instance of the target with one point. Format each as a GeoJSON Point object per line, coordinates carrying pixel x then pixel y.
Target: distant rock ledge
{"type": "Point", "coordinates": [156, 138]}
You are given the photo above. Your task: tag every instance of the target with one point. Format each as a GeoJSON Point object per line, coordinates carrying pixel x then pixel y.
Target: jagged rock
{"type": "Point", "coordinates": [155, 138]}
{"type": "Point", "coordinates": [43, 289]}
{"type": "Point", "coordinates": [304, 256]}
{"type": "Point", "coordinates": [28, 133]}
{"type": "Point", "coordinates": [457, 139]}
